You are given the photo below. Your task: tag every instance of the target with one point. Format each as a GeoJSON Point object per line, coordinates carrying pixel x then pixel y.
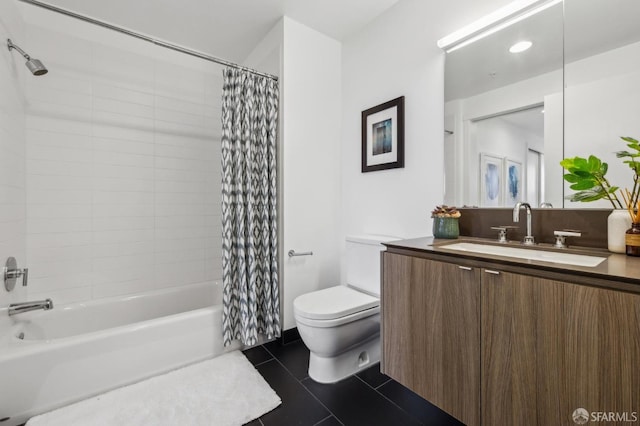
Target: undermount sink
{"type": "Point", "coordinates": [530, 254]}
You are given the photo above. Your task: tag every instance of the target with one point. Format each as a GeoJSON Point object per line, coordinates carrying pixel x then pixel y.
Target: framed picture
{"type": "Point", "coordinates": [491, 180]}
{"type": "Point", "coordinates": [512, 181]}
{"type": "Point", "coordinates": [383, 136]}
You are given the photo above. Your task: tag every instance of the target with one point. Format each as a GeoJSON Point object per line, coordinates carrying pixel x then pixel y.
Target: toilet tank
{"type": "Point", "coordinates": [363, 261]}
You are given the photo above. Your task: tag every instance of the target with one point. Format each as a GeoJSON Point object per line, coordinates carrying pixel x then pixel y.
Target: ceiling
{"type": "Point", "coordinates": [228, 29]}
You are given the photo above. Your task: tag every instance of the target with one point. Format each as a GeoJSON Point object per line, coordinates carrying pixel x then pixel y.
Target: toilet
{"type": "Point", "coordinates": [341, 325]}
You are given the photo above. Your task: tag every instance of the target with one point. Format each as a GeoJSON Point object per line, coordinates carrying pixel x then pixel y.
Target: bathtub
{"type": "Point", "coordinates": [52, 358]}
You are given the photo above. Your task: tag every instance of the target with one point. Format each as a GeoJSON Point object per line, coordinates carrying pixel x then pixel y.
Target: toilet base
{"type": "Point", "coordinates": [333, 369]}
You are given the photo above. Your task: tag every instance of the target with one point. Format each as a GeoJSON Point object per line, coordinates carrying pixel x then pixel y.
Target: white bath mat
{"type": "Point", "coordinates": [226, 390]}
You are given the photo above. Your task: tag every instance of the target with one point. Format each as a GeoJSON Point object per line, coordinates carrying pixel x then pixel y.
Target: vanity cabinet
{"type": "Point", "coordinates": [526, 349]}
{"type": "Point", "coordinates": [521, 349]}
{"type": "Point", "coordinates": [431, 331]}
{"type": "Point", "coordinates": [601, 351]}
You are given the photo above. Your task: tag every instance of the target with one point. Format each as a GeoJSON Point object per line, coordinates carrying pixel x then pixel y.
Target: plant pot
{"type": "Point", "coordinates": [617, 224]}
{"type": "Point", "coordinates": [446, 227]}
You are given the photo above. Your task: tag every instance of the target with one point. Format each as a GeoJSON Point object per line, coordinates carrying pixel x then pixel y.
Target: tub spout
{"type": "Point", "coordinates": [18, 308]}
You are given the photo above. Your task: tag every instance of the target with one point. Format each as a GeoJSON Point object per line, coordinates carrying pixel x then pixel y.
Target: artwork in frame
{"type": "Point", "coordinates": [512, 181]}
{"type": "Point", "coordinates": [383, 136]}
{"type": "Point", "coordinates": [491, 180]}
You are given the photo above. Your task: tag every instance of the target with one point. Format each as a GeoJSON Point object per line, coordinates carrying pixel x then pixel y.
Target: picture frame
{"type": "Point", "coordinates": [383, 136]}
{"type": "Point", "coordinates": [513, 175]}
{"type": "Point", "coordinates": [491, 180]}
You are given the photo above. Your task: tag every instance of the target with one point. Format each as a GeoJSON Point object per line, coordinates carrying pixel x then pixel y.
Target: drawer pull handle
{"type": "Point", "coordinates": [489, 271]}
{"type": "Point", "coordinates": [465, 268]}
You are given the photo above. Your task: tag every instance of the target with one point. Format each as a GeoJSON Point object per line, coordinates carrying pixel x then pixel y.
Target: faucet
{"type": "Point", "coordinates": [18, 308]}
{"type": "Point", "coordinates": [528, 239]}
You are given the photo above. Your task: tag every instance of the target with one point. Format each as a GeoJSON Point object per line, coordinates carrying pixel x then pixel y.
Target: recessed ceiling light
{"type": "Point", "coordinates": [520, 46]}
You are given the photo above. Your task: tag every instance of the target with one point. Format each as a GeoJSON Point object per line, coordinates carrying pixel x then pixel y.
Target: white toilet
{"type": "Point", "coordinates": [341, 325]}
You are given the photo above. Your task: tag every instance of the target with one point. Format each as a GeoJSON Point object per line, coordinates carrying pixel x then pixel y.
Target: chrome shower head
{"type": "Point", "coordinates": [35, 66]}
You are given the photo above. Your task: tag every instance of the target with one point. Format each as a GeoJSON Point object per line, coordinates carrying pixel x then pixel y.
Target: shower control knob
{"type": "Point", "coordinates": [12, 273]}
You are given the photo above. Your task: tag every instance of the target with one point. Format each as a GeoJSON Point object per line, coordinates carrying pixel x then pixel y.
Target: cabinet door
{"type": "Point", "coordinates": [521, 350]}
{"type": "Point", "coordinates": [431, 332]}
{"type": "Point", "coordinates": [602, 352]}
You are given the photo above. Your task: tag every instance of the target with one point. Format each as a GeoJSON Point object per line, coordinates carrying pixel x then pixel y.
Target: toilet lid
{"type": "Point", "coordinates": [333, 302]}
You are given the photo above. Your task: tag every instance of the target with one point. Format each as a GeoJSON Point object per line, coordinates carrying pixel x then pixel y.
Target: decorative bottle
{"type": "Point", "coordinates": [632, 240]}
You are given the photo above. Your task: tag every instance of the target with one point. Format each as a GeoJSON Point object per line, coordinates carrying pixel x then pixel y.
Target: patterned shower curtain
{"type": "Point", "coordinates": [251, 301]}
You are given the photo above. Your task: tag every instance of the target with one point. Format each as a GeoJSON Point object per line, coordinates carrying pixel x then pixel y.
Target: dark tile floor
{"type": "Point", "coordinates": [368, 398]}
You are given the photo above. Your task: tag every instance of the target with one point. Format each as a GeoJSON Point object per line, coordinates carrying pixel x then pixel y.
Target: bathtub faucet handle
{"type": "Point", "coordinates": [12, 273]}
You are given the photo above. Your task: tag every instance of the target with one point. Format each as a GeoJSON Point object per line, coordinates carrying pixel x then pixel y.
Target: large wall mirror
{"type": "Point", "coordinates": [511, 115]}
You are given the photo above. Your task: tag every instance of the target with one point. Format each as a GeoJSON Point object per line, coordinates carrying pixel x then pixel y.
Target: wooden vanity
{"type": "Point", "coordinates": [500, 341]}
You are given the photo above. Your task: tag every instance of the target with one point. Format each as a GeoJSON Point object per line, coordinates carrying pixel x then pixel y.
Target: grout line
{"type": "Point", "coordinates": [329, 416]}
{"type": "Point", "coordinates": [264, 362]}
{"type": "Point", "coordinates": [303, 386]}
{"type": "Point", "coordinates": [368, 384]}
{"type": "Point", "coordinates": [389, 399]}
{"type": "Point", "coordinates": [382, 384]}
{"type": "Point", "coordinates": [319, 402]}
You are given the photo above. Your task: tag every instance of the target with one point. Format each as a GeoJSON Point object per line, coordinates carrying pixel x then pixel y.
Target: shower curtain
{"type": "Point", "coordinates": [251, 301]}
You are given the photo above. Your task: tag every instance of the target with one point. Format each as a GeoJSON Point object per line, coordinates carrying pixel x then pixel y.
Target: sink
{"type": "Point", "coordinates": [522, 253]}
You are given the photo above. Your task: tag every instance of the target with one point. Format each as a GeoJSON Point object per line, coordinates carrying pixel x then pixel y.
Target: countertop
{"type": "Point", "coordinates": [618, 271]}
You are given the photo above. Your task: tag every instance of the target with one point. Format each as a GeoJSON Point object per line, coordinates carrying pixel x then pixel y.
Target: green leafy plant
{"type": "Point", "coordinates": [587, 176]}
{"type": "Point", "coordinates": [634, 165]}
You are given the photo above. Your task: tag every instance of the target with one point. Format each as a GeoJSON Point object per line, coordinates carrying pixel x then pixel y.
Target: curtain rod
{"type": "Point", "coordinates": [155, 41]}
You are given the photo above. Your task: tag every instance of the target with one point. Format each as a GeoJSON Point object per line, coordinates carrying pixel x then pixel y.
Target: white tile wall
{"type": "Point", "coordinates": [12, 147]}
{"type": "Point", "coordinates": [122, 166]}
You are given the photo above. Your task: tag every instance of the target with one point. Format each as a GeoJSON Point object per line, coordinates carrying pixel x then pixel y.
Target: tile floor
{"type": "Point", "coordinates": [368, 398]}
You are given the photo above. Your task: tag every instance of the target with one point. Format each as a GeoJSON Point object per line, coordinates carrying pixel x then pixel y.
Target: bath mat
{"type": "Point", "coordinates": [225, 391]}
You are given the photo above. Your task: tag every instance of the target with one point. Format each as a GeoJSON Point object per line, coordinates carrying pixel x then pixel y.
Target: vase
{"type": "Point", "coordinates": [632, 240]}
{"type": "Point", "coordinates": [617, 224]}
{"type": "Point", "coordinates": [445, 227]}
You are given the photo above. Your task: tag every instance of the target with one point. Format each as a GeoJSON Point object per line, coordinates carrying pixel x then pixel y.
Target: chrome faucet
{"type": "Point", "coordinates": [18, 308]}
{"type": "Point", "coordinates": [528, 239]}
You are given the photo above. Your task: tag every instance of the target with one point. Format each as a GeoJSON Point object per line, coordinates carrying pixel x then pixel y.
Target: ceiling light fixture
{"type": "Point", "coordinates": [502, 18]}
{"type": "Point", "coordinates": [520, 46]}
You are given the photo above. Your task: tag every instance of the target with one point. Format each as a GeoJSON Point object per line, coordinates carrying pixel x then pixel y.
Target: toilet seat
{"type": "Point", "coordinates": [334, 306]}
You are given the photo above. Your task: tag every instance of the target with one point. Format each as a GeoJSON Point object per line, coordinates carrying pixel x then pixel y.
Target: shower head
{"type": "Point", "coordinates": [35, 66]}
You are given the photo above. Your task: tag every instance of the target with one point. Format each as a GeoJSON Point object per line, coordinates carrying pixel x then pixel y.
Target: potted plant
{"type": "Point", "coordinates": [587, 176]}
{"type": "Point", "coordinates": [445, 222]}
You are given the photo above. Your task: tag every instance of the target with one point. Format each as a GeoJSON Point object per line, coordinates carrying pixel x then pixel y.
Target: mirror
{"type": "Point", "coordinates": [602, 84]}
{"type": "Point", "coordinates": [508, 121]}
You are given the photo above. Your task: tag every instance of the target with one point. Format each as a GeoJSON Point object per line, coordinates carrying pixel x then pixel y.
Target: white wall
{"type": "Point", "coordinates": [12, 147]}
{"type": "Point", "coordinates": [309, 156]}
{"type": "Point", "coordinates": [601, 105]}
{"type": "Point", "coordinates": [123, 164]}
{"type": "Point", "coordinates": [393, 56]}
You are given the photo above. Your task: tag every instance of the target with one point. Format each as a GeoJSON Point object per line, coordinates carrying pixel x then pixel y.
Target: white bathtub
{"type": "Point", "coordinates": [52, 358]}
